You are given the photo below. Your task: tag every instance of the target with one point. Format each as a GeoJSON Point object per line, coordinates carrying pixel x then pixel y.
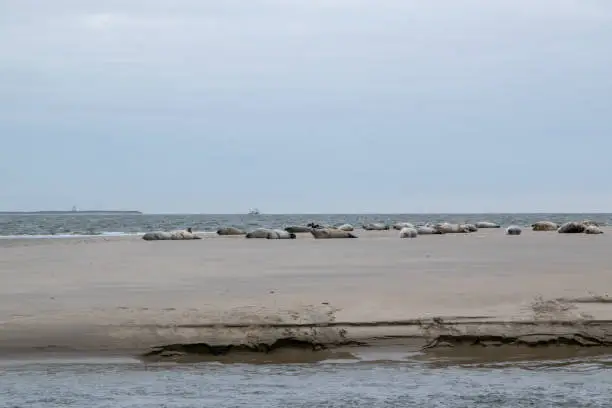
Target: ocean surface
{"type": "Point", "coordinates": [92, 384]}
{"type": "Point", "coordinates": [83, 224]}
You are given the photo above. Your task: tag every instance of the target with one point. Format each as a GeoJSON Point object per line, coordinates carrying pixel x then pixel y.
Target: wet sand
{"type": "Point", "coordinates": [123, 295]}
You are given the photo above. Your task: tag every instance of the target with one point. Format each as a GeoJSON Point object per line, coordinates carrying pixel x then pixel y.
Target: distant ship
{"type": "Point", "coordinates": [74, 210]}
{"type": "Point", "coordinates": [254, 211]}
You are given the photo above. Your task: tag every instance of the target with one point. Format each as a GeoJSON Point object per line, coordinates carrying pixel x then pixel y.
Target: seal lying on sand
{"type": "Point", "coordinates": [513, 230]}
{"type": "Point", "coordinates": [572, 227]}
{"type": "Point", "coordinates": [407, 232]}
{"type": "Point", "coordinates": [268, 233]}
{"type": "Point", "coordinates": [593, 229]}
{"type": "Point", "coordinates": [375, 226]}
{"type": "Point", "coordinates": [486, 224]}
{"type": "Point", "coordinates": [470, 227]}
{"type": "Point", "coordinates": [172, 235]}
{"type": "Point", "coordinates": [400, 225]}
{"type": "Point", "coordinates": [587, 223]}
{"type": "Point", "coordinates": [230, 231]}
{"type": "Point", "coordinates": [326, 233]}
{"type": "Point", "coordinates": [345, 227]}
{"type": "Point", "coordinates": [297, 229]}
{"type": "Point", "coordinates": [544, 226]}
{"type": "Point", "coordinates": [448, 228]}
{"type": "Point", "coordinates": [281, 234]}
{"type": "Point", "coordinates": [428, 230]}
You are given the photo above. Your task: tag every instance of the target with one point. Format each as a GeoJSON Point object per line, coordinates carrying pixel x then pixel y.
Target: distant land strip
{"type": "Point", "coordinates": [80, 212]}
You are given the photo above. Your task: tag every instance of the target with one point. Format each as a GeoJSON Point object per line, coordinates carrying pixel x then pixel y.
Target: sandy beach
{"type": "Point", "coordinates": [125, 295]}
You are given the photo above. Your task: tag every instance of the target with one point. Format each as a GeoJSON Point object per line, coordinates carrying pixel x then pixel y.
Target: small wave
{"type": "Point", "coordinates": [72, 235]}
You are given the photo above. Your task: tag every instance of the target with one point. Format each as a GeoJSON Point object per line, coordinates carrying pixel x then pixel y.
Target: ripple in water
{"type": "Point", "coordinates": [560, 384]}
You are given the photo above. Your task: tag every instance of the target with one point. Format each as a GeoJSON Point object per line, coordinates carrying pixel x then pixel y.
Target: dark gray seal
{"type": "Point", "coordinates": [298, 229]}
{"type": "Point", "coordinates": [230, 231]}
{"type": "Point", "coordinates": [544, 226]}
{"type": "Point", "coordinates": [572, 227]}
{"type": "Point", "coordinates": [514, 230]}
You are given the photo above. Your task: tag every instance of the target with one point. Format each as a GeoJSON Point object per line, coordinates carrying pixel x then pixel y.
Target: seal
{"type": "Point", "coordinates": [327, 233]}
{"type": "Point", "coordinates": [259, 233]}
{"type": "Point", "coordinates": [470, 227]}
{"type": "Point", "coordinates": [572, 227]}
{"type": "Point", "coordinates": [269, 233]}
{"type": "Point", "coordinates": [544, 226]}
{"type": "Point", "coordinates": [399, 225]}
{"type": "Point", "coordinates": [513, 230]}
{"type": "Point", "coordinates": [297, 229]}
{"type": "Point", "coordinates": [375, 226]}
{"type": "Point", "coordinates": [345, 227]}
{"type": "Point", "coordinates": [486, 224]}
{"type": "Point", "coordinates": [187, 234]}
{"type": "Point", "coordinates": [428, 230]}
{"type": "Point", "coordinates": [281, 234]}
{"type": "Point", "coordinates": [448, 228]}
{"type": "Point", "coordinates": [593, 229]}
{"type": "Point", "coordinates": [408, 232]}
{"type": "Point", "coordinates": [230, 231]}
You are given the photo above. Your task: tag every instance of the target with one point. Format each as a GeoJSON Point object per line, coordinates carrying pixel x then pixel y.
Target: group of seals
{"type": "Point", "coordinates": [407, 230]}
{"type": "Point", "coordinates": [572, 227]}
{"type": "Point", "coordinates": [187, 234]}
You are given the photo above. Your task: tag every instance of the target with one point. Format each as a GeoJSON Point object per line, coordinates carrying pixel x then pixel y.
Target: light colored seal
{"type": "Point", "coordinates": [269, 233]}
{"type": "Point", "coordinates": [486, 224]}
{"type": "Point", "coordinates": [327, 233]}
{"type": "Point", "coordinates": [513, 230]}
{"type": "Point", "coordinates": [593, 229]}
{"type": "Point", "coordinates": [544, 226]}
{"type": "Point", "coordinates": [375, 226]}
{"type": "Point", "coordinates": [408, 232]}
{"type": "Point", "coordinates": [297, 229]}
{"type": "Point", "coordinates": [587, 223]}
{"type": "Point", "coordinates": [571, 227]}
{"type": "Point", "coordinates": [448, 228]}
{"type": "Point", "coordinates": [470, 227]}
{"type": "Point", "coordinates": [230, 231]}
{"type": "Point", "coordinates": [259, 233]}
{"type": "Point", "coordinates": [157, 236]}
{"type": "Point", "coordinates": [345, 227]}
{"type": "Point", "coordinates": [172, 235]}
{"type": "Point", "coordinates": [399, 225]}
{"type": "Point", "coordinates": [428, 230]}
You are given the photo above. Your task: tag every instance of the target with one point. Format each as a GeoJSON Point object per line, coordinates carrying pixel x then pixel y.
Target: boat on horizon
{"type": "Point", "coordinates": [254, 211]}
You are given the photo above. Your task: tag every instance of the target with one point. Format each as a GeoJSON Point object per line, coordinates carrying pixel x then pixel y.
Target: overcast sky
{"type": "Point", "coordinates": [306, 106]}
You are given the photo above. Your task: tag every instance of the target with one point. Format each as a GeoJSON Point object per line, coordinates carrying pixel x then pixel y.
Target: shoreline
{"type": "Point", "coordinates": [124, 296]}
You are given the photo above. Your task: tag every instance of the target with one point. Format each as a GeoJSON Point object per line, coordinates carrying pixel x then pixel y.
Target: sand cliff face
{"type": "Point", "coordinates": [227, 295]}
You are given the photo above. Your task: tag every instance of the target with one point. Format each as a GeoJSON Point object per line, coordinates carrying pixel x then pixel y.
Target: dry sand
{"type": "Point", "coordinates": [125, 295]}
